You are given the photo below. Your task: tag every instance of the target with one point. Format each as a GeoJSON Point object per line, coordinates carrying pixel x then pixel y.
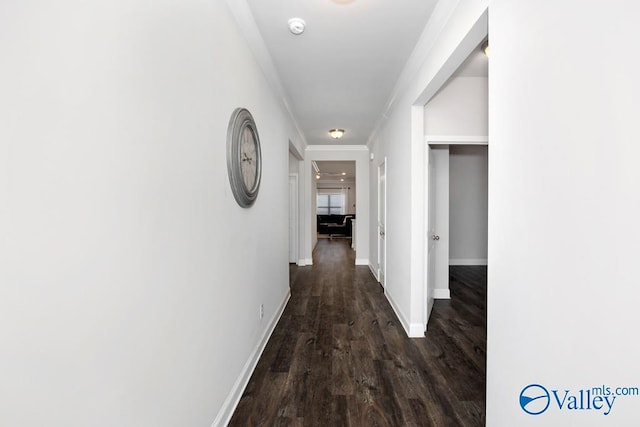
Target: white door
{"type": "Point", "coordinates": [431, 229]}
{"type": "Point", "coordinates": [442, 222]}
{"type": "Point", "coordinates": [382, 212]}
{"type": "Point", "coordinates": [293, 218]}
{"type": "Point", "coordinates": [438, 225]}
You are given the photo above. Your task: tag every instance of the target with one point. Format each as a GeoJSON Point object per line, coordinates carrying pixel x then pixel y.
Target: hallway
{"type": "Point", "coordinates": [339, 356]}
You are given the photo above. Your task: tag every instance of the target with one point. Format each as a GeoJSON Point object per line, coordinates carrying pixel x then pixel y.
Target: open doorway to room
{"type": "Point", "coordinates": [456, 145]}
{"type": "Point", "coordinates": [335, 199]}
{"type": "Point", "coordinates": [456, 139]}
{"type": "Point", "coordinates": [457, 211]}
{"type": "Point", "coordinates": [295, 162]}
{"type": "Point", "coordinates": [324, 168]}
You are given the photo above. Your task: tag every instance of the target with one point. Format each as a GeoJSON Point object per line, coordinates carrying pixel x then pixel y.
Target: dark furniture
{"type": "Point", "coordinates": [335, 225]}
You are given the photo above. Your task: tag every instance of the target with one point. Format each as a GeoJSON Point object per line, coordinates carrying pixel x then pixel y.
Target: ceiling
{"type": "Point", "coordinates": [334, 172]}
{"type": "Point", "coordinates": [341, 71]}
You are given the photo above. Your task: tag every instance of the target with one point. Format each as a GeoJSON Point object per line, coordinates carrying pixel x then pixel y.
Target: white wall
{"type": "Point", "coordinates": [564, 205]}
{"type": "Point", "coordinates": [351, 199]}
{"type": "Point", "coordinates": [293, 163]}
{"type": "Point", "coordinates": [125, 296]}
{"type": "Point", "coordinates": [391, 143]}
{"type": "Point", "coordinates": [460, 108]}
{"type": "Point", "coordinates": [468, 176]}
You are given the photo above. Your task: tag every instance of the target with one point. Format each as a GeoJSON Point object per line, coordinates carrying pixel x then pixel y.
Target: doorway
{"type": "Point", "coordinates": [382, 214]}
{"type": "Point", "coordinates": [295, 162]}
{"type": "Point", "coordinates": [293, 218]}
{"type": "Point", "coordinates": [437, 242]}
{"type": "Point", "coordinates": [457, 210]}
{"type": "Point", "coordinates": [335, 199]}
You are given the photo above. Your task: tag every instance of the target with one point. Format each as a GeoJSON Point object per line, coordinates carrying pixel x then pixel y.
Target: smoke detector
{"type": "Point", "coordinates": [296, 26]}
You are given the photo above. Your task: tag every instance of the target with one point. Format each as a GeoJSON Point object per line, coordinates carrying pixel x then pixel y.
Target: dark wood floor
{"type": "Point", "coordinates": [339, 356]}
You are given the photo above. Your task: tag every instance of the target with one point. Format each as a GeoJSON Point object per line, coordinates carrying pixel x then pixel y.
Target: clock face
{"type": "Point", "coordinates": [244, 162]}
{"type": "Point", "coordinates": [248, 155]}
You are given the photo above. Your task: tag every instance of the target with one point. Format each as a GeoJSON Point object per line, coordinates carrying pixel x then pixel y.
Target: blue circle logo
{"type": "Point", "coordinates": [534, 399]}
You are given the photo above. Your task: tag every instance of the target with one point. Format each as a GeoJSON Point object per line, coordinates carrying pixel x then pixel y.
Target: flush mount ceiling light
{"type": "Point", "coordinates": [336, 133]}
{"type": "Point", "coordinates": [296, 26]}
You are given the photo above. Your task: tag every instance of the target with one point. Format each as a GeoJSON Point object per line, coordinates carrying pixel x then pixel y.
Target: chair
{"type": "Point", "coordinates": [342, 229]}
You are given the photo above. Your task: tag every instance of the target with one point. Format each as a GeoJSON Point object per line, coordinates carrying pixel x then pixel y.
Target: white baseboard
{"type": "Point", "coordinates": [362, 261]}
{"type": "Point", "coordinates": [441, 294]}
{"type": "Point", "coordinates": [468, 261]}
{"type": "Point", "coordinates": [232, 400]}
{"type": "Point", "coordinates": [374, 272]}
{"type": "Point", "coordinates": [413, 330]}
{"type": "Point", "coordinates": [416, 330]}
{"type": "Point", "coordinates": [399, 314]}
{"type": "Point", "coordinates": [304, 262]}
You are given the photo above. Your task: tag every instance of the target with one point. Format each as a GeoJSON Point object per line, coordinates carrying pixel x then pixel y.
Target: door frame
{"type": "Point", "coordinates": [437, 220]}
{"type": "Point", "coordinates": [477, 32]}
{"type": "Point", "coordinates": [294, 222]}
{"type": "Point", "coordinates": [359, 154]}
{"type": "Point", "coordinates": [382, 213]}
{"type": "Point", "coordinates": [435, 141]}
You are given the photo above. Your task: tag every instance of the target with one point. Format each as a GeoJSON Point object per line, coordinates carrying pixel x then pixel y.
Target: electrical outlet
{"type": "Point", "coordinates": [261, 311]}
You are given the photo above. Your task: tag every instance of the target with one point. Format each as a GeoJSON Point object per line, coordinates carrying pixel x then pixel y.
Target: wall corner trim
{"type": "Point", "coordinates": [233, 398]}
{"type": "Point", "coordinates": [362, 261]}
{"type": "Point", "coordinates": [441, 294]}
{"type": "Point", "coordinates": [374, 272]}
{"type": "Point", "coordinates": [246, 22]}
{"type": "Point", "coordinates": [413, 330]}
{"type": "Point", "coordinates": [416, 330]}
{"type": "Point", "coordinates": [399, 314]}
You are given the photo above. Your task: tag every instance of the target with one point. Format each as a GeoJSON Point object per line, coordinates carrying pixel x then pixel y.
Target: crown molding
{"type": "Point", "coordinates": [247, 24]}
{"type": "Point", "coordinates": [337, 148]}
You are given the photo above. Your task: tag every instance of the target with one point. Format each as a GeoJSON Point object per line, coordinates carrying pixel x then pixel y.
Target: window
{"type": "Point", "coordinates": [330, 204]}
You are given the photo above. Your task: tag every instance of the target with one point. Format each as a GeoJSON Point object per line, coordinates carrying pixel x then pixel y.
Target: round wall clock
{"type": "Point", "coordinates": [244, 162]}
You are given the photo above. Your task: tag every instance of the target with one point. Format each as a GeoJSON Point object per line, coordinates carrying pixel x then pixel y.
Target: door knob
{"type": "Point", "coordinates": [435, 237]}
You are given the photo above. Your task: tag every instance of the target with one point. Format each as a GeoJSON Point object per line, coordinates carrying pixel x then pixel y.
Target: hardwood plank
{"type": "Point", "coordinates": [340, 357]}
{"type": "Point", "coordinates": [342, 363]}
